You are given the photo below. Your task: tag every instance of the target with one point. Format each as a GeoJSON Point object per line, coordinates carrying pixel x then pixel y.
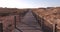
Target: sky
{"type": "Point", "coordinates": [29, 3]}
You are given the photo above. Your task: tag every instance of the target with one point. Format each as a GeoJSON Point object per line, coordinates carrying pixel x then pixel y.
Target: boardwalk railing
{"type": "Point", "coordinates": [15, 22]}
{"type": "Point", "coordinates": [42, 23]}
{"type": "Point", "coordinates": [16, 25]}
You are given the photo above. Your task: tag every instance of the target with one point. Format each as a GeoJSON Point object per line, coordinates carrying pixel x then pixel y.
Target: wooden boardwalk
{"type": "Point", "coordinates": [29, 24]}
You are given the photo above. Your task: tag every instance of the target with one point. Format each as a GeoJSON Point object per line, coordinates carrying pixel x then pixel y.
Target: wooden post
{"type": "Point", "coordinates": [55, 27]}
{"type": "Point", "coordinates": [1, 27]}
{"type": "Point", "coordinates": [15, 21]}
{"type": "Point", "coordinates": [15, 24]}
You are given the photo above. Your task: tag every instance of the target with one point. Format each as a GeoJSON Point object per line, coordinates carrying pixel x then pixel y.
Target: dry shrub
{"type": "Point", "coordinates": [4, 14]}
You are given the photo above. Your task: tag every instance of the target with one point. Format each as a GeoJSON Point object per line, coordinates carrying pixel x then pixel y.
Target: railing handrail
{"type": "Point", "coordinates": [15, 24]}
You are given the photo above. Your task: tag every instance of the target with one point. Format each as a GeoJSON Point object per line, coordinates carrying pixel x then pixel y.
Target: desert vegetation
{"type": "Point", "coordinates": [7, 17]}
{"type": "Point", "coordinates": [51, 16]}
{"type": "Point", "coordinates": [10, 11]}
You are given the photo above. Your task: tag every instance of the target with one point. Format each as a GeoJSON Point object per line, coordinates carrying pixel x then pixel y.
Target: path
{"type": "Point", "coordinates": [29, 24]}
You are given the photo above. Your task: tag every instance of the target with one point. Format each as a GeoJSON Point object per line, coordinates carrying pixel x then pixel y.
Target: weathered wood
{"type": "Point", "coordinates": [1, 27]}
{"type": "Point", "coordinates": [15, 21]}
